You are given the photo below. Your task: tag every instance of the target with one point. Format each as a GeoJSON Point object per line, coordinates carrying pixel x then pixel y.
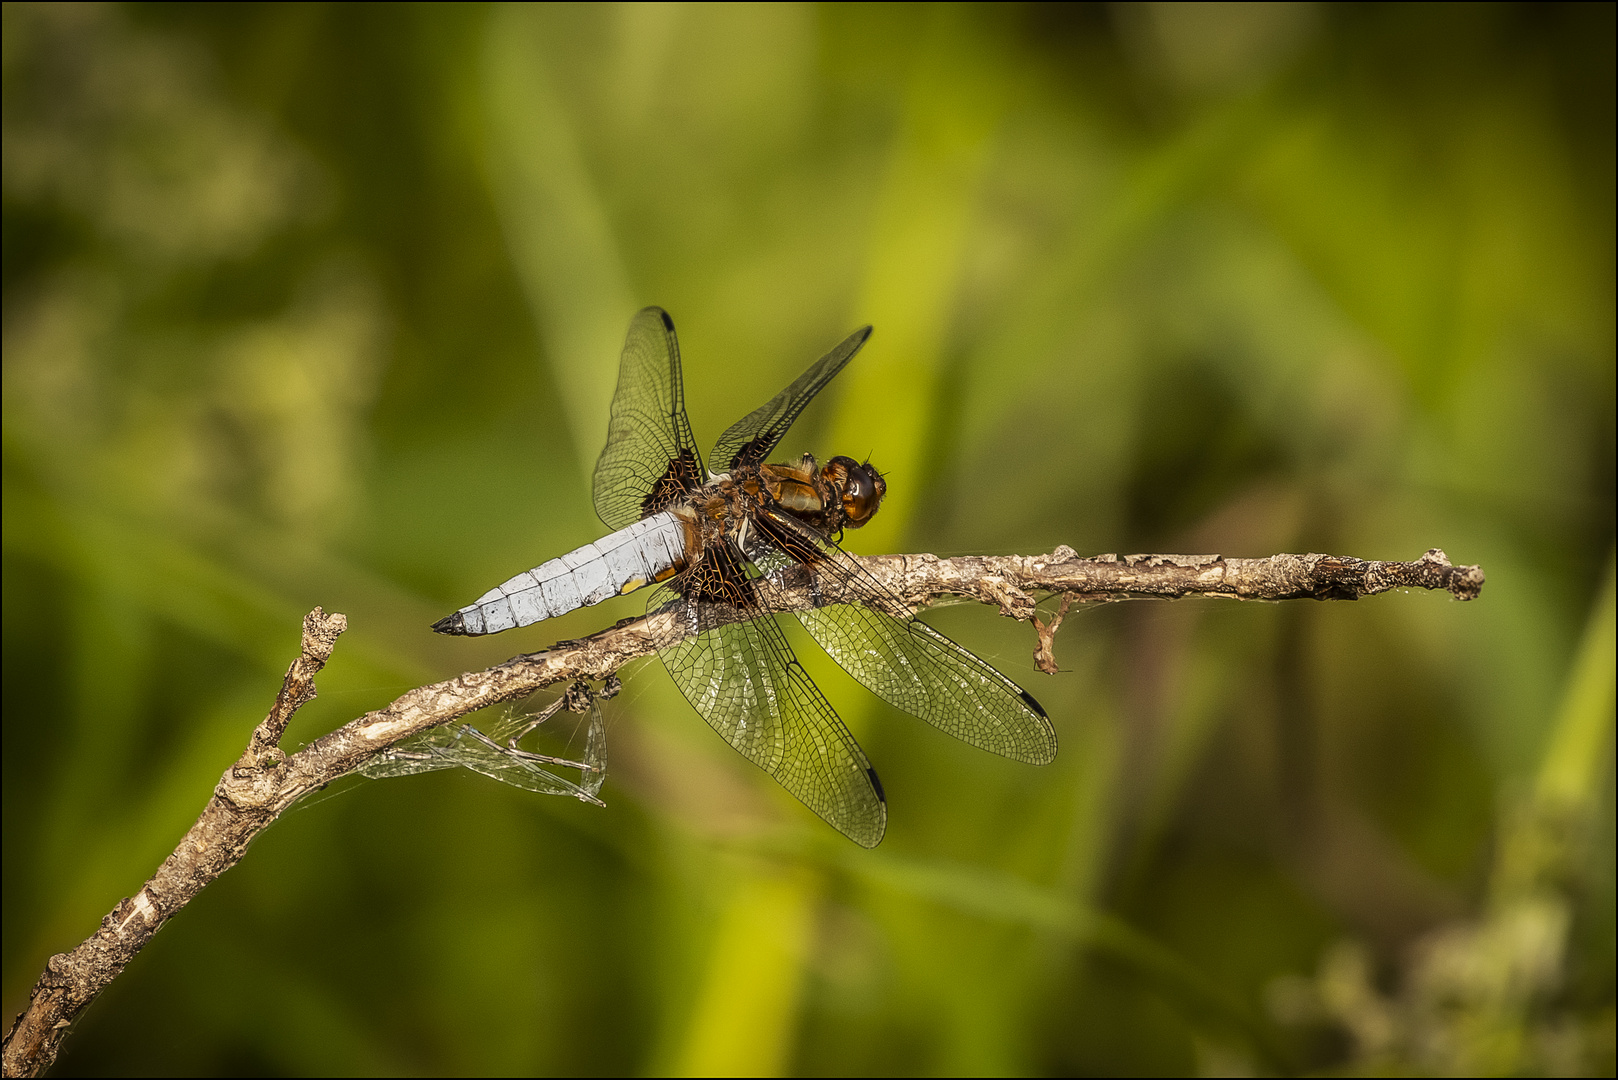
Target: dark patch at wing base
{"type": "Point", "coordinates": [720, 577]}
{"type": "Point", "coordinates": [683, 476]}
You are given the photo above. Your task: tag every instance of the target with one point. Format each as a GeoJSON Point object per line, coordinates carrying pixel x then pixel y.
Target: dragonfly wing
{"type": "Point", "coordinates": [905, 662]}
{"type": "Point", "coordinates": [595, 752]}
{"type": "Point", "coordinates": [751, 439]}
{"type": "Point", "coordinates": [650, 459]}
{"type": "Point", "coordinates": [744, 680]}
{"type": "Point", "coordinates": [422, 754]}
{"type": "Point", "coordinates": [464, 746]}
{"type": "Point", "coordinates": [915, 668]}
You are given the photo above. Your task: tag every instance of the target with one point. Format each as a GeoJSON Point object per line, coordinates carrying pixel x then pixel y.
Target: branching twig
{"type": "Point", "coordinates": [265, 781]}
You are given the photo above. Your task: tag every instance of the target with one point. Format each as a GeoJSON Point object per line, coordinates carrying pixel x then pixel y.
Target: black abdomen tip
{"type": "Point", "coordinates": [450, 624]}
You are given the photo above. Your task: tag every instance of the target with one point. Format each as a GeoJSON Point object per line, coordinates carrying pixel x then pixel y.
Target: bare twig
{"type": "Point", "coordinates": [265, 781]}
{"type": "Point", "coordinates": [297, 689]}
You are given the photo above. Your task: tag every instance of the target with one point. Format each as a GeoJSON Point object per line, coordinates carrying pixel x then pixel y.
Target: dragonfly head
{"type": "Point", "coordinates": [860, 487]}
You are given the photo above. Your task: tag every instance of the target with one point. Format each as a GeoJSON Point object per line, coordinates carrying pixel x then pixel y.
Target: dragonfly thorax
{"type": "Point", "coordinates": [844, 494]}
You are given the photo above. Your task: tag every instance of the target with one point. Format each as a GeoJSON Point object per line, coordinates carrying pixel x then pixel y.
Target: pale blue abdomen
{"type": "Point", "coordinates": [622, 562]}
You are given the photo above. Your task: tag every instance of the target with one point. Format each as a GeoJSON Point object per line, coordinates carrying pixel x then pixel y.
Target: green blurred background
{"type": "Point", "coordinates": [320, 304]}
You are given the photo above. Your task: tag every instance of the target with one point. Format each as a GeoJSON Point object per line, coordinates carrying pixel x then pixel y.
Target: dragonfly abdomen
{"type": "Point", "coordinates": [651, 549]}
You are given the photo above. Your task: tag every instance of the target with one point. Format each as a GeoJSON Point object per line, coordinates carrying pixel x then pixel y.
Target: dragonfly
{"type": "Point", "coordinates": [717, 543]}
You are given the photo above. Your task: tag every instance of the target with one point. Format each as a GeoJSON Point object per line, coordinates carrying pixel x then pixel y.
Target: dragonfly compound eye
{"type": "Point", "coordinates": [863, 488]}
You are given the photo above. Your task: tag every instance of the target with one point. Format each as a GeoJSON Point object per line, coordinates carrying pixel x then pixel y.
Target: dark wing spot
{"type": "Point", "coordinates": [883, 799]}
{"type": "Point", "coordinates": [668, 323]}
{"type": "Point", "coordinates": [1032, 704]}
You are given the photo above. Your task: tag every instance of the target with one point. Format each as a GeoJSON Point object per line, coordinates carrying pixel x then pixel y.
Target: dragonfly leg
{"type": "Point", "coordinates": [533, 722]}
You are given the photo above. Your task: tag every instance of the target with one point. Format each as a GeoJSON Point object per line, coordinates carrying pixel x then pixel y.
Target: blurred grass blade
{"type": "Point", "coordinates": [1581, 740]}
{"type": "Point", "coordinates": [560, 236]}
{"type": "Point", "coordinates": [744, 1021]}
{"type": "Point", "coordinates": [951, 106]}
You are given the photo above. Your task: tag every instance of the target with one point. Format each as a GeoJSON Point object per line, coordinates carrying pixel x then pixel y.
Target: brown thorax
{"type": "Point", "coordinates": [843, 494]}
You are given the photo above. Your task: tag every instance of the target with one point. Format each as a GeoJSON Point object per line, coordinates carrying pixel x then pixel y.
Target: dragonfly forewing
{"type": "Point", "coordinates": [874, 637]}
{"type": "Point", "coordinates": [918, 670]}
